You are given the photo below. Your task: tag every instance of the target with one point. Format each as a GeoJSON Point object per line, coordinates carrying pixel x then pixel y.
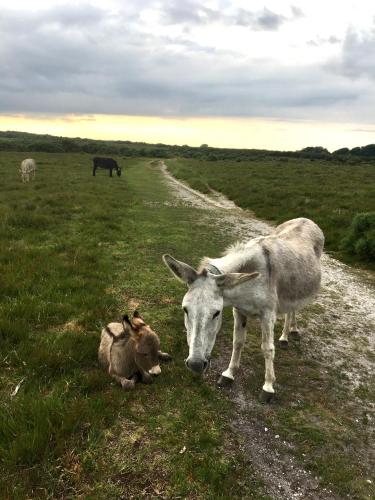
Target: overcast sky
{"type": "Point", "coordinates": [310, 62]}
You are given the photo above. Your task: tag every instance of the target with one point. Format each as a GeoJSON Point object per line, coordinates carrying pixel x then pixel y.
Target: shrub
{"type": "Point", "coordinates": [360, 239]}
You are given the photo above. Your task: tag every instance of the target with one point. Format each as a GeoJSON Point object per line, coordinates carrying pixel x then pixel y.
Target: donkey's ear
{"type": "Point", "coordinates": [230, 280]}
{"type": "Point", "coordinates": [182, 271]}
{"type": "Point", "coordinates": [136, 314]}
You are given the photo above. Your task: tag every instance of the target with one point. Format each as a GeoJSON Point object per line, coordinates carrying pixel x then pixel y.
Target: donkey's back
{"type": "Point", "coordinates": [302, 232]}
{"type": "Point", "coordinates": [293, 252]}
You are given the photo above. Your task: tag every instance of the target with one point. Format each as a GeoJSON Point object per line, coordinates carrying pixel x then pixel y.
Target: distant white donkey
{"type": "Point", "coordinates": [27, 168]}
{"type": "Point", "coordinates": [263, 277]}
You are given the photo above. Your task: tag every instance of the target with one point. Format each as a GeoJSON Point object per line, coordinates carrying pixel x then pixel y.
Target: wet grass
{"type": "Point", "coordinates": [75, 253]}
{"type": "Point", "coordinates": [328, 193]}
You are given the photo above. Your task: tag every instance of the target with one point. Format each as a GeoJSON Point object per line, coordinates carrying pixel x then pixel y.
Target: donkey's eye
{"type": "Point", "coordinates": [216, 314]}
{"type": "Point", "coordinates": [185, 311]}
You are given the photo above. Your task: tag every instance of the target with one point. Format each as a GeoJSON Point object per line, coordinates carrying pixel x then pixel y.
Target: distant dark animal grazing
{"type": "Point", "coordinates": [130, 350]}
{"type": "Point", "coordinates": [107, 164]}
{"type": "Point", "coordinates": [263, 277]}
{"type": "Point", "coordinates": [27, 168]}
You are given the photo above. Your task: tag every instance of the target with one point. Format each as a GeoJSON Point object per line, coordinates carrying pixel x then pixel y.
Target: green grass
{"type": "Point", "coordinates": [328, 193]}
{"type": "Point", "coordinates": [75, 253]}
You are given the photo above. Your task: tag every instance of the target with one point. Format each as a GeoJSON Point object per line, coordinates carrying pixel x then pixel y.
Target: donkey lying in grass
{"type": "Point", "coordinates": [263, 277]}
{"type": "Point", "coordinates": [130, 350]}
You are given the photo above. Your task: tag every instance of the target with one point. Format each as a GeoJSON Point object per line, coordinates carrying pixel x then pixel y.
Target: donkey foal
{"type": "Point", "coordinates": [130, 350]}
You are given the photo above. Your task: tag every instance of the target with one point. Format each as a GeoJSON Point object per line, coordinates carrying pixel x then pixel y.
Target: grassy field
{"type": "Point", "coordinates": [77, 252]}
{"type": "Point", "coordinates": [330, 194]}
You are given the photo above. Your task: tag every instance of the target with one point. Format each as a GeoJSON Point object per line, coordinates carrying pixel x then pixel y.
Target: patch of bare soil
{"type": "Point", "coordinates": [341, 333]}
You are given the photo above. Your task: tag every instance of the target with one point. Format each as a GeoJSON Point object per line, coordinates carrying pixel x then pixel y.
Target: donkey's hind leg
{"type": "Point", "coordinates": [294, 332]}
{"type": "Point", "coordinates": [239, 337]}
{"type": "Point", "coordinates": [283, 340]}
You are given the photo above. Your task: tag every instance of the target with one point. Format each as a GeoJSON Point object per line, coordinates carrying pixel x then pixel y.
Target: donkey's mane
{"type": "Point", "coordinates": [236, 247]}
{"type": "Point", "coordinates": [203, 263]}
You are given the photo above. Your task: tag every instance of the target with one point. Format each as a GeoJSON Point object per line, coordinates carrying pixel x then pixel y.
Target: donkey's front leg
{"type": "Point", "coordinates": [239, 337]}
{"type": "Point", "coordinates": [268, 348]}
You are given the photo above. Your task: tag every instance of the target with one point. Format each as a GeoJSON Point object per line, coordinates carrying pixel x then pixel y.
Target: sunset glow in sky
{"type": "Point", "coordinates": [231, 73]}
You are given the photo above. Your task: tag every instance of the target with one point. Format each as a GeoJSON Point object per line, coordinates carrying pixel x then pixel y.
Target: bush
{"type": "Point", "coordinates": [360, 239]}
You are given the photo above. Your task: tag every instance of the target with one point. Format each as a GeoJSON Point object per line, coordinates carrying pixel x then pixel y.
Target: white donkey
{"type": "Point", "coordinates": [28, 167]}
{"type": "Point", "coordinates": [263, 277]}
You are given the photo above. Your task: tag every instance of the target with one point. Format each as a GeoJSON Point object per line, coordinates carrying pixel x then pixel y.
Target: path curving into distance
{"type": "Point", "coordinates": [344, 329]}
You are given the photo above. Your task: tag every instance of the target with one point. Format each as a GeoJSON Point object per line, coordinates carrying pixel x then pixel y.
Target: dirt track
{"type": "Point", "coordinates": [346, 311]}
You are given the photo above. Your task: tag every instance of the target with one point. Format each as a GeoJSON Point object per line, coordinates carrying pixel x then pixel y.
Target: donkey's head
{"type": "Point", "coordinates": [118, 169]}
{"type": "Point", "coordinates": [203, 305]}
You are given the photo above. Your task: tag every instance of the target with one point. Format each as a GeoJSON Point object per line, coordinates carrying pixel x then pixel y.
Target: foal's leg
{"type": "Point", "coordinates": [239, 337]}
{"type": "Point", "coordinates": [283, 340]}
{"type": "Point", "coordinates": [123, 381]}
{"type": "Point", "coordinates": [268, 348]}
{"type": "Point", "coordinates": [294, 332]}
{"type": "Point", "coordinates": [164, 356]}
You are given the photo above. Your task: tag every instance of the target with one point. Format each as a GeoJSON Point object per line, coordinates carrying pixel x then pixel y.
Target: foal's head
{"type": "Point", "coordinates": [147, 343]}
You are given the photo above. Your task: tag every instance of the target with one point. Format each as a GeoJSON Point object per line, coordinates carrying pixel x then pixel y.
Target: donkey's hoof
{"type": "Point", "coordinates": [295, 335]}
{"type": "Point", "coordinates": [266, 397]}
{"type": "Point", "coordinates": [225, 381]}
{"type": "Point", "coordinates": [283, 344]}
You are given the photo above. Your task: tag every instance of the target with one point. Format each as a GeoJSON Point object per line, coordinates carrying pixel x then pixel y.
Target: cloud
{"type": "Point", "coordinates": [188, 12]}
{"type": "Point", "coordinates": [193, 12]}
{"type": "Point", "coordinates": [319, 41]}
{"type": "Point", "coordinates": [297, 12]}
{"type": "Point", "coordinates": [88, 60]}
{"type": "Point", "coordinates": [357, 58]}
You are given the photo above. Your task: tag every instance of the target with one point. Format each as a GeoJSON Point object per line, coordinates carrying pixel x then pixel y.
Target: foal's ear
{"type": "Point", "coordinates": [126, 323]}
{"type": "Point", "coordinates": [230, 280]}
{"type": "Point", "coordinates": [182, 271]}
{"type": "Point", "coordinates": [129, 327]}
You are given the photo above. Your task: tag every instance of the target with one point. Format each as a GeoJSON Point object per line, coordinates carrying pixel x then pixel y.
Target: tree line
{"type": "Point", "coordinates": [23, 141]}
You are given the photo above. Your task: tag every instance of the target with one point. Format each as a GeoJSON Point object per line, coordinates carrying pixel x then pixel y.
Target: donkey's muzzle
{"type": "Point", "coordinates": [197, 365]}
